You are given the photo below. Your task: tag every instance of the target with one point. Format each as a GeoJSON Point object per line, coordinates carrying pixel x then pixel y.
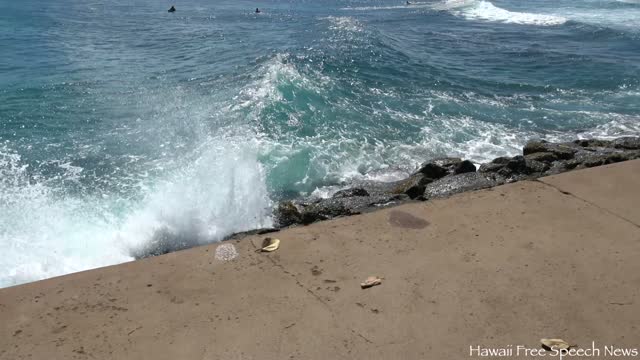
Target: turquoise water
{"type": "Point", "coordinates": [122, 124]}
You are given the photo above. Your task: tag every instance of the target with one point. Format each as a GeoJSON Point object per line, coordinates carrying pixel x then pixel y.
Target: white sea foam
{"type": "Point", "coordinates": [395, 7]}
{"type": "Point", "coordinates": [623, 19]}
{"type": "Point", "coordinates": [217, 189]}
{"type": "Point", "coordinates": [486, 11]}
{"type": "Point", "coordinates": [222, 192]}
{"type": "Point", "coordinates": [45, 234]}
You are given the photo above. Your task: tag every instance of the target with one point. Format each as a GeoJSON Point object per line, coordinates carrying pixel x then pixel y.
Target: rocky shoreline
{"type": "Point", "coordinates": [443, 177]}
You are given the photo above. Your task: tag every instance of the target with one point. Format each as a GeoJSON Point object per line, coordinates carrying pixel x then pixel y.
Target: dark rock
{"type": "Point", "coordinates": [542, 156]}
{"type": "Point", "coordinates": [448, 163]}
{"type": "Point", "coordinates": [446, 176]}
{"type": "Point", "coordinates": [519, 166]}
{"type": "Point", "coordinates": [441, 167]}
{"type": "Point", "coordinates": [490, 167]}
{"type": "Point", "coordinates": [325, 210]}
{"type": "Point", "coordinates": [433, 171]}
{"type": "Point", "coordinates": [534, 166]}
{"type": "Point", "coordinates": [586, 159]}
{"type": "Point", "coordinates": [501, 160]}
{"type": "Point", "coordinates": [562, 151]}
{"type": "Point", "coordinates": [628, 143]}
{"type": "Point", "coordinates": [610, 158]}
{"type": "Point", "coordinates": [534, 146]}
{"type": "Point", "coordinates": [335, 207]}
{"type": "Point", "coordinates": [465, 166]}
{"type": "Point", "coordinates": [413, 186]}
{"type": "Point", "coordinates": [593, 143]}
{"type": "Point", "coordinates": [375, 188]}
{"type": "Point", "coordinates": [287, 213]}
{"type": "Point", "coordinates": [561, 166]}
{"type": "Point", "coordinates": [495, 165]}
{"type": "Point", "coordinates": [460, 183]}
{"type": "Point", "coordinates": [351, 192]}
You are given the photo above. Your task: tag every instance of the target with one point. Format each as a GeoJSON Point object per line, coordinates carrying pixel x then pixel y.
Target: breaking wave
{"type": "Point", "coordinates": [179, 144]}
{"type": "Point", "coordinates": [486, 11]}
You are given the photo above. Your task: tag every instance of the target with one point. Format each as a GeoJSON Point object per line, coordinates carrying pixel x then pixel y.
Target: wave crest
{"type": "Point", "coordinates": [486, 11]}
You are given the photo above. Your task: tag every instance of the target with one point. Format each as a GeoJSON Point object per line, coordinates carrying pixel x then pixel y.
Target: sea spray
{"type": "Point", "coordinates": [148, 133]}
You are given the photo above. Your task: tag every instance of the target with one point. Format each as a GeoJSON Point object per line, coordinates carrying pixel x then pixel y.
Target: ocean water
{"type": "Point", "coordinates": [123, 126]}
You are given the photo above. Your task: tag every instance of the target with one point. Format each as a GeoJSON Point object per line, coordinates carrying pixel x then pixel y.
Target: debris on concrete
{"type": "Point", "coordinates": [371, 281]}
{"type": "Point", "coordinates": [555, 344]}
{"type": "Point", "coordinates": [226, 252]}
{"type": "Point", "coordinates": [270, 244]}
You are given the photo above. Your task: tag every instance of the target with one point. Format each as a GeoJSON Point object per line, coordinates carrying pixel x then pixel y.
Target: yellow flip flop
{"type": "Point", "coordinates": [270, 244]}
{"type": "Point", "coordinates": [556, 344]}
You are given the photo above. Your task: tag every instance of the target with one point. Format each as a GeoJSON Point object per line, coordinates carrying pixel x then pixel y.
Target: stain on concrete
{"type": "Point", "coordinates": [405, 220]}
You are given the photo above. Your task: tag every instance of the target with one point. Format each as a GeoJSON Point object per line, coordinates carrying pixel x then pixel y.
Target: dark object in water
{"type": "Point", "coordinates": [257, 11]}
{"type": "Point", "coordinates": [172, 9]}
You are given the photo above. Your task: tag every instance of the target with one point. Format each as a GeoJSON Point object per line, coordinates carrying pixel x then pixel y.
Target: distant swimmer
{"type": "Point", "coordinates": [257, 11]}
{"type": "Point", "coordinates": [172, 9]}
{"type": "Point", "coordinates": [408, 3]}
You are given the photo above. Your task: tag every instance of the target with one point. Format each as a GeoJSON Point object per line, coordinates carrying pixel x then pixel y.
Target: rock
{"type": "Point", "coordinates": [610, 158]}
{"type": "Point", "coordinates": [287, 214]}
{"type": "Point", "coordinates": [534, 146]}
{"type": "Point", "coordinates": [628, 143]}
{"type": "Point", "coordinates": [432, 170]}
{"type": "Point", "coordinates": [376, 188]}
{"type": "Point", "coordinates": [448, 163]}
{"type": "Point", "coordinates": [534, 166]}
{"type": "Point", "coordinates": [325, 209]}
{"type": "Point", "coordinates": [501, 160]}
{"type": "Point", "coordinates": [495, 165]}
{"type": "Point", "coordinates": [455, 184]}
{"type": "Point", "coordinates": [542, 156]}
{"type": "Point", "coordinates": [446, 176]}
{"type": "Point", "coordinates": [441, 167]}
{"type": "Point", "coordinates": [562, 151]}
{"type": "Point", "coordinates": [593, 143]}
{"type": "Point", "coordinates": [465, 166]}
{"type": "Point", "coordinates": [518, 167]}
{"type": "Point", "coordinates": [413, 186]}
{"type": "Point", "coordinates": [561, 166]}
{"type": "Point", "coordinates": [351, 192]}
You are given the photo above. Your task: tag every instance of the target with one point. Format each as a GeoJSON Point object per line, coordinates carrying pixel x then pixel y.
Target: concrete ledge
{"type": "Point", "coordinates": [610, 187]}
{"type": "Point", "coordinates": [507, 265]}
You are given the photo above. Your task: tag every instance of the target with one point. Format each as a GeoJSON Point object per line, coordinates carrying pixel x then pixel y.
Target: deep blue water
{"type": "Point", "coordinates": [120, 121]}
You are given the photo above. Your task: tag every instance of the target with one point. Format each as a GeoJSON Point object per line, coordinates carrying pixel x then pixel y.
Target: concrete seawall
{"type": "Point", "coordinates": [557, 257]}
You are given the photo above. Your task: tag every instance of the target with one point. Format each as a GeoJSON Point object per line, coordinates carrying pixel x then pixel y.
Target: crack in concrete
{"type": "Point", "coordinates": [275, 263]}
{"type": "Point", "coordinates": [588, 202]}
{"type": "Point", "coordinates": [360, 335]}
